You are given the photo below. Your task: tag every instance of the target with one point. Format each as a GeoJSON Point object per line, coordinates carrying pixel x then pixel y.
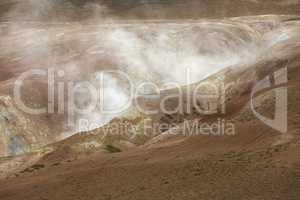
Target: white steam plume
{"type": "Point", "coordinates": [159, 52]}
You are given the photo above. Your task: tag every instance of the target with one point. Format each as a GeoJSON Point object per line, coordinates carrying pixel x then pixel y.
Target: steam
{"type": "Point", "coordinates": [159, 52]}
{"type": "Point", "coordinates": [113, 98]}
{"type": "Point", "coordinates": [173, 50]}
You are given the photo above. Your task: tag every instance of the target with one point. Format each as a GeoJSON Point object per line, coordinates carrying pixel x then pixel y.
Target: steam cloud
{"type": "Point", "coordinates": [157, 52]}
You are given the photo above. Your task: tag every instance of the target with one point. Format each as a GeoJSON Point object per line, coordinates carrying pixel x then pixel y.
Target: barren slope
{"type": "Point", "coordinates": [256, 163]}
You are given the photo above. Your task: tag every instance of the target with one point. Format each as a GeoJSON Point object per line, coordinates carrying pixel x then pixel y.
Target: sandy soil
{"type": "Point", "coordinates": [256, 163]}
